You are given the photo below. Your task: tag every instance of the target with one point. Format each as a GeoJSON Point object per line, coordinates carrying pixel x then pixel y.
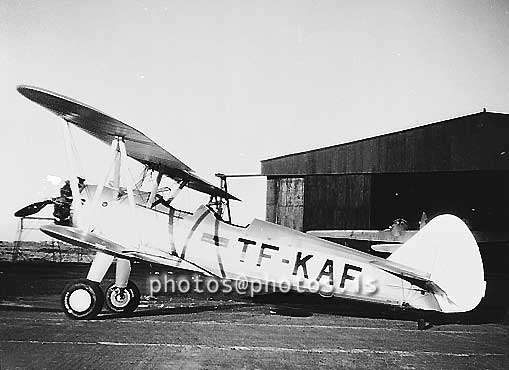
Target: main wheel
{"type": "Point", "coordinates": [122, 300]}
{"type": "Point", "coordinates": [82, 299]}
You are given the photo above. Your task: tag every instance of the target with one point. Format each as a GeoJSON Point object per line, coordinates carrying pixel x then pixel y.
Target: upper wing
{"type": "Point", "coordinates": [106, 128]}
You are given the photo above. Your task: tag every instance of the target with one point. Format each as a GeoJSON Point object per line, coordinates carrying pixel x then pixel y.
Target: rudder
{"type": "Point", "coordinates": [447, 250]}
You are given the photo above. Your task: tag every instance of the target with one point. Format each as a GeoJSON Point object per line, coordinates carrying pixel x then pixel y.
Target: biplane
{"type": "Point", "coordinates": [438, 269]}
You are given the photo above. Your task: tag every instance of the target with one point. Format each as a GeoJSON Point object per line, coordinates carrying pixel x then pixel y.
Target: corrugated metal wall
{"type": "Point", "coordinates": [320, 202]}
{"type": "Point", "coordinates": [337, 202]}
{"type": "Point", "coordinates": [469, 143]}
{"type": "Point", "coordinates": [285, 202]}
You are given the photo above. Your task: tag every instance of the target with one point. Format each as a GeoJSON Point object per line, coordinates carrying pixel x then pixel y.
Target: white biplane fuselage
{"type": "Point", "coordinates": [261, 252]}
{"type": "Point", "coordinates": [264, 253]}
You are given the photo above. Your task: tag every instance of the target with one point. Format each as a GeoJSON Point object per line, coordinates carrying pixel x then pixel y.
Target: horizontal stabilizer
{"type": "Point", "coordinates": [385, 248]}
{"type": "Point", "coordinates": [418, 278]}
{"type": "Point", "coordinates": [402, 270]}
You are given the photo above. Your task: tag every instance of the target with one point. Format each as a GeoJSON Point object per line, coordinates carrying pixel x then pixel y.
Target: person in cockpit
{"type": "Point", "coordinates": [62, 204]}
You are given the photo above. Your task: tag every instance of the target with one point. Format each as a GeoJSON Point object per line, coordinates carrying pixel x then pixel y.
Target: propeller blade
{"type": "Point", "coordinates": [32, 208]}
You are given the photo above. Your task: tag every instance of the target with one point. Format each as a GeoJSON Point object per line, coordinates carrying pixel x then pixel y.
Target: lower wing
{"type": "Point", "coordinates": [81, 238]}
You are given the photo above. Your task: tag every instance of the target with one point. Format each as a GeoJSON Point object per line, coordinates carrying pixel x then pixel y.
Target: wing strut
{"type": "Point", "coordinates": [125, 174]}
{"type": "Point", "coordinates": [114, 149]}
{"type": "Point", "coordinates": [76, 200]}
{"type": "Point", "coordinates": [153, 193]}
{"type": "Point", "coordinates": [176, 192]}
{"type": "Point", "coordinates": [221, 205]}
{"type": "Point", "coordinates": [102, 261]}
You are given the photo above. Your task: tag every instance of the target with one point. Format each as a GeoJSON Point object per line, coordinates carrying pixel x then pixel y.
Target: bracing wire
{"type": "Point", "coordinates": [75, 155]}
{"type": "Point", "coordinates": [137, 185]}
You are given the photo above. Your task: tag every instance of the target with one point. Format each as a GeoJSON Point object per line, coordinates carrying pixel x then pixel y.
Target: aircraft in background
{"type": "Point", "coordinates": [121, 222]}
{"type": "Point", "coordinates": [392, 238]}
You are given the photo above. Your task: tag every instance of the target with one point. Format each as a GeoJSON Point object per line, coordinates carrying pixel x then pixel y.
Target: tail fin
{"type": "Point", "coordinates": [447, 250]}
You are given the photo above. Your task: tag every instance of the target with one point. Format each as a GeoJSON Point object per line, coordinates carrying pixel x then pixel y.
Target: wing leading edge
{"type": "Point", "coordinates": [106, 128]}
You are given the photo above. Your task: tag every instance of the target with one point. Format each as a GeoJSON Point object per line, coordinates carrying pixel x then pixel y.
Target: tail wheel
{"type": "Point", "coordinates": [423, 324]}
{"type": "Point", "coordinates": [82, 299]}
{"type": "Point", "coordinates": [122, 300]}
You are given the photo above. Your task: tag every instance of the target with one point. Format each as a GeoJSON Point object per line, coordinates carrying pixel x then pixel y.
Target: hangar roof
{"type": "Point", "coordinates": [474, 142]}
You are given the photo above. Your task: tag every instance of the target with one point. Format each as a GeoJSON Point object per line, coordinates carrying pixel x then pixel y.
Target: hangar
{"type": "Point", "coordinates": [458, 166]}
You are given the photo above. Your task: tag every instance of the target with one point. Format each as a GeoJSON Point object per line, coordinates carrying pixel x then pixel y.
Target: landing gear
{"type": "Point", "coordinates": [82, 299]}
{"type": "Point", "coordinates": [122, 300]}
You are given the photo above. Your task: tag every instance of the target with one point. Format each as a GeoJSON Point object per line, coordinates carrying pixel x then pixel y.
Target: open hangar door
{"type": "Point", "coordinates": [481, 199]}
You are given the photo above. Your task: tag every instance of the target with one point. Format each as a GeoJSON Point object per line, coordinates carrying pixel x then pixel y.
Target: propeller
{"type": "Point", "coordinates": [33, 208]}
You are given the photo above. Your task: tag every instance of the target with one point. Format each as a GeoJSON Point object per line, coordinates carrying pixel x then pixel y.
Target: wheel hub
{"type": "Point", "coordinates": [80, 300]}
{"type": "Point", "coordinates": [120, 297]}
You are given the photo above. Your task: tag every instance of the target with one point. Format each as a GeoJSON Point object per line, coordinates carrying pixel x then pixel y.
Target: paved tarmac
{"type": "Point", "coordinates": [185, 332]}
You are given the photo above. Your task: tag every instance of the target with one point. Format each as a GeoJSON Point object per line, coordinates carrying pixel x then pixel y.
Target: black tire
{"type": "Point", "coordinates": [122, 300]}
{"type": "Point", "coordinates": [82, 299]}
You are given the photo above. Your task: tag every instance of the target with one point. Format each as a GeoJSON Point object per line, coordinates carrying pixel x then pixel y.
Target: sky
{"type": "Point", "coordinates": [223, 85]}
